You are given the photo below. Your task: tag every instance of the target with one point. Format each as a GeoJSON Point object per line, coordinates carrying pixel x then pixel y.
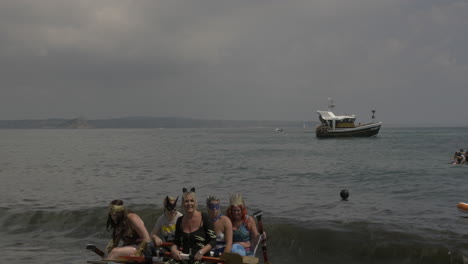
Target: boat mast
{"type": "Point", "coordinates": [330, 104]}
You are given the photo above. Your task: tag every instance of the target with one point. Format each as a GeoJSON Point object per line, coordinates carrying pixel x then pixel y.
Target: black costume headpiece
{"type": "Point", "coordinates": [184, 190]}
{"type": "Point", "coordinates": [170, 206]}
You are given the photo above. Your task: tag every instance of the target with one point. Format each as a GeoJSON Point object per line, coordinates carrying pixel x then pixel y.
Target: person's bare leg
{"type": "Point", "coordinates": [121, 251]}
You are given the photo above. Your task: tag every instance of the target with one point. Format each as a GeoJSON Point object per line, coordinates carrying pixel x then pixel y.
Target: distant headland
{"type": "Point", "coordinates": [145, 122]}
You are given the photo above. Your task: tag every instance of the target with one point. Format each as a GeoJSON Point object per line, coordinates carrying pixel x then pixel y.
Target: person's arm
{"type": "Point", "coordinates": [254, 235]}
{"type": "Point", "coordinates": [154, 233]}
{"type": "Point", "coordinates": [227, 233]}
{"type": "Point", "coordinates": [175, 252]}
{"type": "Point", "coordinates": [210, 236]}
{"type": "Point", "coordinates": [139, 226]}
{"type": "Point", "coordinates": [156, 239]}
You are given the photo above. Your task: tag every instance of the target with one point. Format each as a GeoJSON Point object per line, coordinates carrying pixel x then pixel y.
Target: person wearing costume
{"type": "Point", "coordinates": [244, 230]}
{"type": "Point", "coordinates": [194, 233]}
{"type": "Point", "coordinates": [222, 226]}
{"type": "Point", "coordinates": [164, 229]}
{"type": "Point", "coordinates": [127, 227]}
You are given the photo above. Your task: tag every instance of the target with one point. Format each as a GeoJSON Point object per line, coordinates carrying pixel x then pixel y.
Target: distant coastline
{"type": "Point", "coordinates": [145, 122]}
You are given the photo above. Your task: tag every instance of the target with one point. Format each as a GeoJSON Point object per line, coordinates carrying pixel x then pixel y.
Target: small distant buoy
{"type": "Point", "coordinates": [344, 195]}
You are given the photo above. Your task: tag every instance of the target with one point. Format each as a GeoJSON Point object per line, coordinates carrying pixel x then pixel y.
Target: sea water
{"type": "Point", "coordinates": [55, 186]}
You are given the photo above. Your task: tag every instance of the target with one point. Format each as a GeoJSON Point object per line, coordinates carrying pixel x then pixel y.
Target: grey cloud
{"type": "Point", "coordinates": [277, 60]}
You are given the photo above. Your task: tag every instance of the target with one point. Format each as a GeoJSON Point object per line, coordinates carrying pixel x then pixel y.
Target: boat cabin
{"type": "Point", "coordinates": [328, 119]}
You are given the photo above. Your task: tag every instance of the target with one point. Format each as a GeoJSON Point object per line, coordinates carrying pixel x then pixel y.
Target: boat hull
{"type": "Point", "coordinates": [360, 131]}
{"type": "Point", "coordinates": [226, 258]}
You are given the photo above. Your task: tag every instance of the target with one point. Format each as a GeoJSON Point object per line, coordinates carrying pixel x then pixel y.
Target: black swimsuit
{"type": "Point", "coordinates": [196, 240]}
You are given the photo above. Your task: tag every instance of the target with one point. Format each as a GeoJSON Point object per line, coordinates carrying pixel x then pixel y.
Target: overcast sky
{"type": "Point", "coordinates": [235, 59]}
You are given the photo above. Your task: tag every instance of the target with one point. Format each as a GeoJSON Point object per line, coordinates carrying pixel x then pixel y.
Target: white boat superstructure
{"type": "Point", "coordinates": [332, 125]}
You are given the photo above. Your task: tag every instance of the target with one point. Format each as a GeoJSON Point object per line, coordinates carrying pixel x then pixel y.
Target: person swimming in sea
{"type": "Point", "coordinates": [459, 157]}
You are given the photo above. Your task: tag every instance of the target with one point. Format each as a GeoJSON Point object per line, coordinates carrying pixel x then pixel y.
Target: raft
{"type": "Point", "coordinates": [226, 258]}
{"type": "Point", "coordinates": [463, 207]}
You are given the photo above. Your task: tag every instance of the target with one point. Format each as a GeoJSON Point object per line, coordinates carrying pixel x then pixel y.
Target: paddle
{"type": "Point", "coordinates": [258, 215]}
{"type": "Point", "coordinates": [95, 250]}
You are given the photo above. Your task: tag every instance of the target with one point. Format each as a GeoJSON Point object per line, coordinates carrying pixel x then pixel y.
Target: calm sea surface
{"type": "Point", "coordinates": [55, 186]}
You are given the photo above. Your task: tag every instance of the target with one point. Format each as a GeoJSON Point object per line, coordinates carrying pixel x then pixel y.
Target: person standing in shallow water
{"type": "Point", "coordinates": [127, 227]}
{"type": "Point", "coordinates": [194, 233]}
{"type": "Point", "coordinates": [222, 226]}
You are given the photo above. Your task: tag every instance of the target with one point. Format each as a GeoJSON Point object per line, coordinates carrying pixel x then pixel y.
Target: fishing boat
{"type": "Point", "coordinates": [332, 125]}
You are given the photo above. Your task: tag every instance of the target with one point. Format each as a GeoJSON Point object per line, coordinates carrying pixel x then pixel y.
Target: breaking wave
{"type": "Point", "coordinates": [289, 241]}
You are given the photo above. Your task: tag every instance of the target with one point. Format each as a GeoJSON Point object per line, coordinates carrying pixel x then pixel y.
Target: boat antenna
{"type": "Point", "coordinates": [330, 104]}
{"type": "Point", "coordinates": [373, 116]}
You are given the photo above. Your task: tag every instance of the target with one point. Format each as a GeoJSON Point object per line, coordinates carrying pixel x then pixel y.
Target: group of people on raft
{"type": "Point", "coordinates": [460, 157]}
{"type": "Point", "coordinates": [192, 232]}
